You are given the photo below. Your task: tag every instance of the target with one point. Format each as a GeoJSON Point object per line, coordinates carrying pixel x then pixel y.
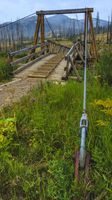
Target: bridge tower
{"type": "Point", "coordinates": [40, 25]}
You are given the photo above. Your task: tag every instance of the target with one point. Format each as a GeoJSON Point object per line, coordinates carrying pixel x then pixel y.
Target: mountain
{"type": "Point", "coordinates": [58, 23]}
{"type": "Point", "coordinates": [102, 23]}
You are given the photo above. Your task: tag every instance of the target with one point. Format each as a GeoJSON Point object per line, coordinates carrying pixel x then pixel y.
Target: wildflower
{"type": "Point", "coordinates": [101, 123]}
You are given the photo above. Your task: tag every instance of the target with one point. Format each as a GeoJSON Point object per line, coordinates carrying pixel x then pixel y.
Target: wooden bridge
{"type": "Point", "coordinates": [46, 59]}
{"type": "Point", "coordinates": [72, 56]}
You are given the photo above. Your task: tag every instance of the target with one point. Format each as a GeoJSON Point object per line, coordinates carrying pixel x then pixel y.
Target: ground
{"type": "Point", "coordinates": [21, 83]}
{"type": "Point", "coordinates": [40, 133]}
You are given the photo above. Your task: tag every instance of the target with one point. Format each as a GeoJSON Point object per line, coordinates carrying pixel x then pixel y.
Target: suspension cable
{"type": "Point", "coordinates": [68, 31]}
{"type": "Point", "coordinates": [50, 27]}
{"type": "Point", "coordinates": [5, 25]}
{"type": "Point", "coordinates": [78, 24]}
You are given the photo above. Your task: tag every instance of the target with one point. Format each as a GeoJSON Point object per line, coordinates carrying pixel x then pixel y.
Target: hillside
{"type": "Point", "coordinates": [59, 23]}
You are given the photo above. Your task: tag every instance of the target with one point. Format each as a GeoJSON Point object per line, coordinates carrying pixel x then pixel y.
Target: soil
{"type": "Point", "coordinates": [21, 84]}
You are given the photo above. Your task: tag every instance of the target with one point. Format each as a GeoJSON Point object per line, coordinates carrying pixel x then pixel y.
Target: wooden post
{"type": "Point", "coordinates": [10, 59]}
{"type": "Point", "coordinates": [42, 31]}
{"type": "Point", "coordinates": [39, 26]}
{"type": "Point", "coordinates": [93, 35]}
{"type": "Point", "coordinates": [36, 35]}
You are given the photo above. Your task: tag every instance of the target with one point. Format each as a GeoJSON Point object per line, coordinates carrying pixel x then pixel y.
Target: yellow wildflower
{"type": "Point", "coordinates": [101, 123]}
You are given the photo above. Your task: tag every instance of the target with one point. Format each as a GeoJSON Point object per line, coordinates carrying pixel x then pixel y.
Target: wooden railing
{"type": "Point", "coordinates": [55, 47]}
{"type": "Point", "coordinates": [31, 54]}
{"type": "Point", "coordinates": [76, 51]}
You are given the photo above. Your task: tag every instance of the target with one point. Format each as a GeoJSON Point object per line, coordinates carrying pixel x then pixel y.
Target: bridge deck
{"type": "Point", "coordinates": [47, 68]}
{"type": "Point", "coordinates": [33, 68]}
{"type": "Point", "coordinates": [22, 84]}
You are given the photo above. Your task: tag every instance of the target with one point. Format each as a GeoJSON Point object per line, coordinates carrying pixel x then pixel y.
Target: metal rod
{"type": "Point", "coordinates": [84, 120]}
{"type": "Point", "coordinates": [85, 64]}
{"type": "Point", "coordinates": [83, 147]}
{"type": "Point", "coordinates": [66, 11]}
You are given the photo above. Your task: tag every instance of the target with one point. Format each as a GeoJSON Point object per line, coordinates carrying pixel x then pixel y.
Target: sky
{"type": "Point", "coordinates": [11, 10]}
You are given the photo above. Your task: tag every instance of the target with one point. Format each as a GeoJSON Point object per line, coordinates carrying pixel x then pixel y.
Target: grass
{"type": "Point", "coordinates": [66, 42]}
{"type": "Point", "coordinates": [37, 148]}
{"type": "Point", "coordinates": [40, 134]}
{"type": "Point", "coordinates": [104, 67]}
{"type": "Point", "coordinates": [5, 69]}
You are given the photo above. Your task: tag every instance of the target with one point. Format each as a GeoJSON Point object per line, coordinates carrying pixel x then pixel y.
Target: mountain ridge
{"type": "Point", "coordinates": [59, 23]}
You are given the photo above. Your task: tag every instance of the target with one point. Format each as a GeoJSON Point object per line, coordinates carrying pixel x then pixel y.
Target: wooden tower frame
{"type": "Point", "coordinates": [40, 25]}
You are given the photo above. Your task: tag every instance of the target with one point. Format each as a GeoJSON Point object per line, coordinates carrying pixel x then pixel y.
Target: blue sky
{"type": "Point", "coordinates": [13, 9]}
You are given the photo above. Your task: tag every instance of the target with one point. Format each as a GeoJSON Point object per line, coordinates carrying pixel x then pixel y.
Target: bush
{"type": "Point", "coordinates": [5, 69]}
{"type": "Point", "coordinates": [41, 137]}
{"type": "Point", "coordinates": [104, 67]}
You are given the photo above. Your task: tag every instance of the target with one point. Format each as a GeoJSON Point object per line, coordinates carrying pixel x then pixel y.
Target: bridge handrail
{"type": "Point", "coordinates": [71, 50]}
{"type": "Point", "coordinates": [14, 53]}
{"type": "Point", "coordinates": [25, 58]}
{"type": "Point", "coordinates": [57, 44]}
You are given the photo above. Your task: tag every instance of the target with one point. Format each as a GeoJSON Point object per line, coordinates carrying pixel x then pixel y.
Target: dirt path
{"type": "Point", "coordinates": [21, 84]}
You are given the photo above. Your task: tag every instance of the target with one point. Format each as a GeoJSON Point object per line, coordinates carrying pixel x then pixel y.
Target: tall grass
{"type": "Point", "coordinates": [104, 67]}
{"type": "Point", "coordinates": [37, 163]}
{"type": "Point", "coordinates": [5, 69]}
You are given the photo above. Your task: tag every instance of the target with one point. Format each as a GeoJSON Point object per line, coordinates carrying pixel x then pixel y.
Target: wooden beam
{"type": "Point", "coordinates": [36, 35]}
{"type": "Point", "coordinates": [75, 70]}
{"type": "Point", "coordinates": [71, 50]}
{"type": "Point", "coordinates": [42, 31]}
{"type": "Point", "coordinates": [93, 35]}
{"type": "Point", "coordinates": [25, 58]}
{"type": "Point", "coordinates": [57, 44]}
{"type": "Point", "coordinates": [66, 11]}
{"type": "Point", "coordinates": [80, 55]}
{"type": "Point", "coordinates": [14, 53]}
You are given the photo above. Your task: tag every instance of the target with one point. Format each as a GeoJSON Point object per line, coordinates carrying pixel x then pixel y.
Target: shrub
{"type": "Point", "coordinates": [5, 69]}
{"type": "Point", "coordinates": [36, 159]}
{"type": "Point", "coordinates": [104, 67]}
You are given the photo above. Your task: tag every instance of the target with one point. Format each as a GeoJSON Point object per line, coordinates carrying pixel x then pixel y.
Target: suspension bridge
{"type": "Point", "coordinates": [45, 48]}
{"type": "Point", "coordinates": [50, 60]}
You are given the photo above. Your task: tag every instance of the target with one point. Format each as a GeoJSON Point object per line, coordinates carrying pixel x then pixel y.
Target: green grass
{"type": "Point", "coordinates": [40, 134]}
{"type": "Point", "coordinates": [66, 42]}
{"type": "Point", "coordinates": [36, 158]}
{"type": "Point", "coordinates": [104, 67]}
{"type": "Point", "coordinates": [5, 69]}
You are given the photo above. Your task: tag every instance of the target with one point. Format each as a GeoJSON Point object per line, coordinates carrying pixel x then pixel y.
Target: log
{"type": "Point", "coordinates": [75, 70]}
{"type": "Point", "coordinates": [65, 11]}
{"type": "Point", "coordinates": [71, 50]}
{"type": "Point", "coordinates": [57, 44]}
{"type": "Point", "coordinates": [25, 58]}
{"type": "Point", "coordinates": [26, 49]}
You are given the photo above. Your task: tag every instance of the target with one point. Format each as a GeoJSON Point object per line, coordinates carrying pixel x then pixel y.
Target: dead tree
{"type": "Point", "coordinates": [98, 23]}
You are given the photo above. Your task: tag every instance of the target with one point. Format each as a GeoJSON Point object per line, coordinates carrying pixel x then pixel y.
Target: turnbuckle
{"type": "Point", "coordinates": [83, 131]}
{"type": "Point", "coordinates": [84, 121]}
{"type": "Point", "coordinates": [82, 158]}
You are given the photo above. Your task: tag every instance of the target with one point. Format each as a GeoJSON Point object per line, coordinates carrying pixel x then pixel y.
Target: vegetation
{"type": "Point", "coordinates": [5, 69]}
{"type": "Point", "coordinates": [39, 136]}
{"type": "Point", "coordinates": [105, 67]}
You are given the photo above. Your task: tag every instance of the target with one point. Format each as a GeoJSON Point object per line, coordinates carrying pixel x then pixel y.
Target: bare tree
{"type": "Point", "coordinates": [98, 23]}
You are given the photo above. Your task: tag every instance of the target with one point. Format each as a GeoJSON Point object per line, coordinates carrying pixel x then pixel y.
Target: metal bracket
{"type": "Point", "coordinates": [84, 121]}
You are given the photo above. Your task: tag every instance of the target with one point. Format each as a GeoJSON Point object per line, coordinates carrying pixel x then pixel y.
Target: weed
{"type": "Point", "coordinates": [37, 164]}
{"type": "Point", "coordinates": [104, 67]}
